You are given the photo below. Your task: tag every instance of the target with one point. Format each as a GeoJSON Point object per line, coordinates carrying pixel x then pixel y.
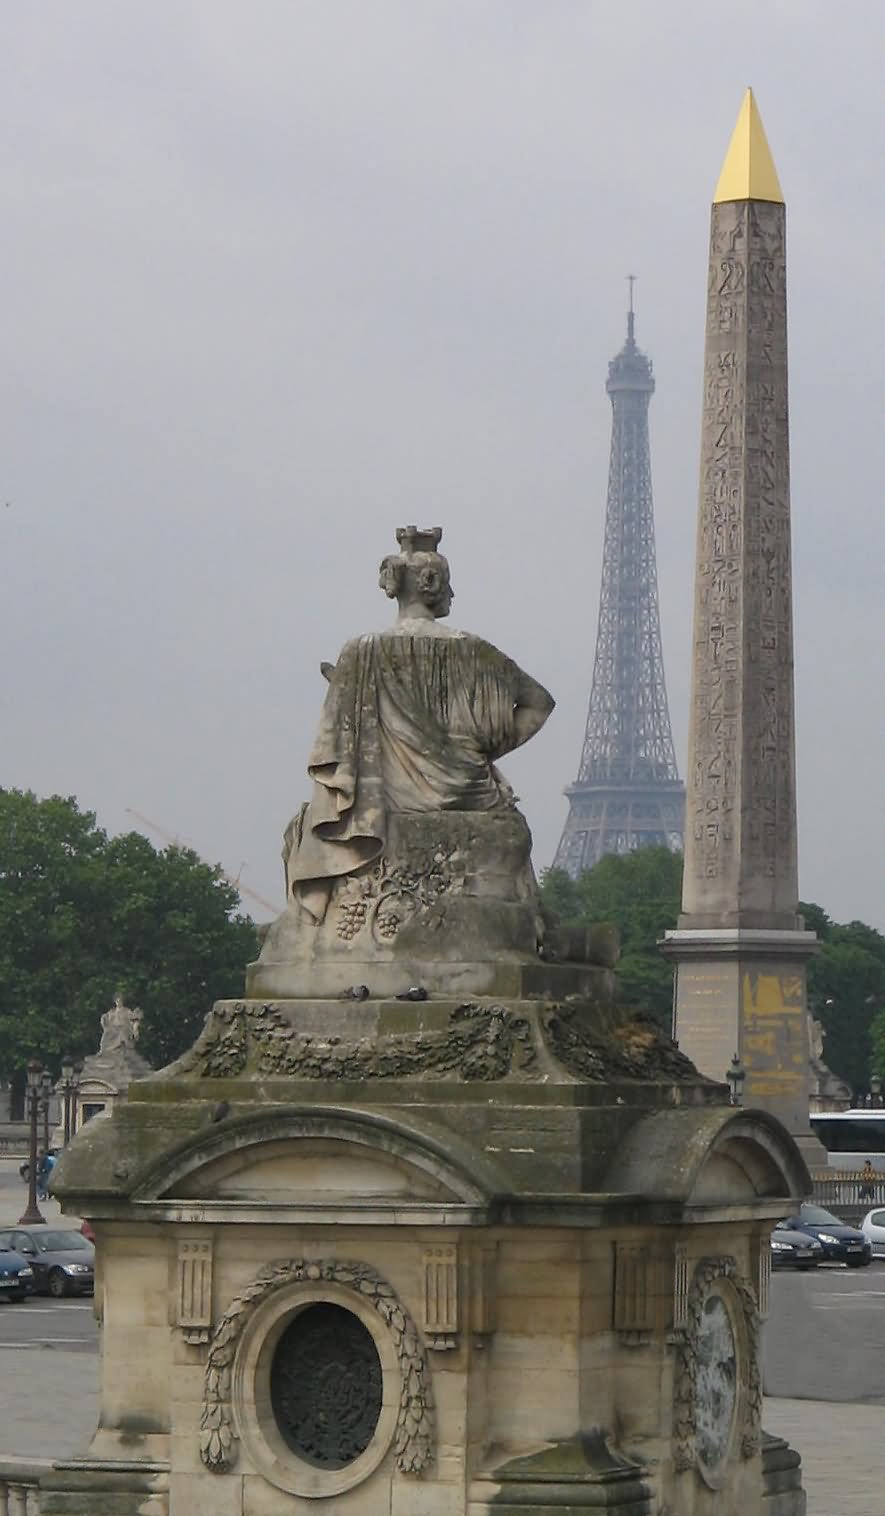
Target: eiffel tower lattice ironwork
{"type": "Point", "coordinates": [628, 793]}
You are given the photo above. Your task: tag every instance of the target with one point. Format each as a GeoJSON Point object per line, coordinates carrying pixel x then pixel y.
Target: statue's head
{"type": "Point", "coordinates": [418, 576]}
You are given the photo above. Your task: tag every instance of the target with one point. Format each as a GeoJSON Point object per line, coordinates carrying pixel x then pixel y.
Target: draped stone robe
{"type": "Point", "coordinates": [413, 720]}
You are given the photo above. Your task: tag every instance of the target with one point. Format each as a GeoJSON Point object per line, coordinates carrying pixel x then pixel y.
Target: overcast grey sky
{"type": "Point", "coordinates": [279, 276]}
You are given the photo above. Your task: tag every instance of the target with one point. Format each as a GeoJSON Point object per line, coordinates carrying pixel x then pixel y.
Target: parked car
{"type": "Point", "coordinates": [16, 1275]}
{"type": "Point", "coordinates": [63, 1262]}
{"type": "Point", "coordinates": [873, 1228]}
{"type": "Point", "coordinates": [841, 1243]}
{"type": "Point", "coordinates": [794, 1250]}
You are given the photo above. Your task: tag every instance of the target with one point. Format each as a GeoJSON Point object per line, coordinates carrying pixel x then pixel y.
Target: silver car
{"type": "Point", "coordinates": [873, 1228]}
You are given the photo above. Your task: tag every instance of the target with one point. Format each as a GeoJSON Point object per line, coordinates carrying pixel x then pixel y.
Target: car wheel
{"type": "Point", "coordinates": [58, 1284]}
{"type": "Point", "coordinates": [19, 1295]}
{"type": "Point", "coordinates": [857, 1263]}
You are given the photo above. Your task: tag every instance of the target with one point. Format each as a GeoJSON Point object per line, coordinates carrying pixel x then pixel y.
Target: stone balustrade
{"type": "Point", "coordinates": [20, 1487]}
{"type": "Point", "coordinates": [838, 1190]}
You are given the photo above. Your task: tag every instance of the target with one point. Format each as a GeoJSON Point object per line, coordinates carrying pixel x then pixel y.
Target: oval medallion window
{"type": "Point", "coordinates": [717, 1390]}
{"type": "Point", "coordinates": [325, 1386]}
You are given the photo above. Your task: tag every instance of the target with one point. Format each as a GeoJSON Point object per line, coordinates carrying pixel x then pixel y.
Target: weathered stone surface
{"type": "Point", "coordinates": [452, 889]}
{"type": "Point", "coordinates": [414, 720]}
{"type": "Point", "coordinates": [410, 849]}
{"type": "Point", "coordinates": [740, 950]}
{"type": "Point", "coordinates": [740, 844]}
{"type": "Point", "coordinates": [471, 1041]}
{"type": "Point", "coordinates": [581, 1474]}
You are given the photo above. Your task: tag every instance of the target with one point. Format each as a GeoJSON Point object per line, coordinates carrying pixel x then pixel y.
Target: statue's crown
{"type": "Point", "coordinates": [412, 539]}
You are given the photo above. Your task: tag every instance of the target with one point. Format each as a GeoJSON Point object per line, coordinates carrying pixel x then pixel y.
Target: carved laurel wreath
{"type": "Point", "coordinates": [413, 1439]}
{"type": "Point", "coordinates": [708, 1271]}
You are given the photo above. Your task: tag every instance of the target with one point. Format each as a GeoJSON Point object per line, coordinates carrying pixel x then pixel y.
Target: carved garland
{"type": "Point", "coordinates": [480, 1042]}
{"type": "Point", "coordinates": [708, 1271]}
{"type": "Point", "coordinates": [413, 1439]}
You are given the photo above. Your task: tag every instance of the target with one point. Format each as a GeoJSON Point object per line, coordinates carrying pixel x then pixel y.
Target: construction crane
{"type": "Point", "coordinates": [231, 878]}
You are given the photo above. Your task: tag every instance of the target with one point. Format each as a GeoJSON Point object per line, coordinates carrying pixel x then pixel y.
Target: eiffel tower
{"type": "Point", "coordinates": [628, 793]}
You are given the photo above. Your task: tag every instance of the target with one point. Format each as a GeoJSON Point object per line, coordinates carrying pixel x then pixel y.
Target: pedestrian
{"type": "Point", "coordinates": [42, 1175]}
{"type": "Point", "coordinates": [48, 1169]}
{"type": "Point", "coordinates": [868, 1177]}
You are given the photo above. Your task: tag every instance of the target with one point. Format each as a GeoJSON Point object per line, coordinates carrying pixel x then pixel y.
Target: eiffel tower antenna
{"type": "Point", "coordinates": [627, 794]}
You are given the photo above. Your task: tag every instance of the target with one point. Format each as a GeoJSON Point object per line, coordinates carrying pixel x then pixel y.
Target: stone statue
{"type": "Point", "coordinates": [827, 1091]}
{"type": "Point", "coordinates": [411, 840]}
{"type": "Point", "coordinates": [414, 720]}
{"type": "Point", "coordinates": [120, 1027]}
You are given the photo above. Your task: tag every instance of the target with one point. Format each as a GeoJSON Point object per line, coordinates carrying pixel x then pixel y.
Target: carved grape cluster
{"type": "Point", "coordinates": [387, 924]}
{"type": "Point", "coordinates": [351, 918]}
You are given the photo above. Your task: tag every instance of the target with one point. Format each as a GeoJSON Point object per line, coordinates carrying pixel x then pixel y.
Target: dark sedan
{"type": "Point", "coordinates": [840, 1243]}
{"type": "Point", "coordinates": [16, 1275]}
{"type": "Point", "coordinates": [794, 1250]}
{"type": "Point", "coordinates": [63, 1262]}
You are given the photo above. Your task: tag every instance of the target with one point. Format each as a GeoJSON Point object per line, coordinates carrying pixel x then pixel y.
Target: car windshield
{"type": "Point", "coordinates": [62, 1242]}
{"type": "Point", "coordinates": [818, 1216]}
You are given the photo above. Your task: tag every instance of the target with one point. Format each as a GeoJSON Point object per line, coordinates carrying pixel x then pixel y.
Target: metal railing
{"type": "Point", "coordinates": [839, 1191]}
{"type": "Point", "coordinates": [20, 1487]}
{"type": "Point", "coordinates": [843, 1187]}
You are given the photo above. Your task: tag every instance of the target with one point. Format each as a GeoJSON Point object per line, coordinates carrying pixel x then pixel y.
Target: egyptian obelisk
{"type": "Point", "coordinates": [740, 950]}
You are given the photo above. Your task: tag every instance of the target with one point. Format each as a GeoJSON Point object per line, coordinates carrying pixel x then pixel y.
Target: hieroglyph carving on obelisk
{"type": "Point", "coordinates": [740, 855]}
{"type": "Point", "coordinates": [741, 950]}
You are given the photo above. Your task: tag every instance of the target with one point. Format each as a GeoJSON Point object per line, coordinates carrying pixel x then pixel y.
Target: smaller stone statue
{"type": "Point", "coordinates": [827, 1092]}
{"type": "Point", "coordinates": [120, 1027]}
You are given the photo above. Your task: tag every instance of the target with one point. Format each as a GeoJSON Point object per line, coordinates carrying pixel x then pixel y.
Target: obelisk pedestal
{"type": "Point", "coordinates": [741, 949]}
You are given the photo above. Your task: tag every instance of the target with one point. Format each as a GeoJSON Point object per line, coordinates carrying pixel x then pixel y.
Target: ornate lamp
{"type": "Point", "coordinates": [67, 1085]}
{"type": "Point", "coordinates": [736, 1075]}
{"type": "Point", "coordinates": [45, 1096]}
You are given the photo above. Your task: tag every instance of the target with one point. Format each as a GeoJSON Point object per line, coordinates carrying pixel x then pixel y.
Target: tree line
{"type": "Point", "coordinates": [84, 916]}
{"type": "Point", "coordinates": [640, 894]}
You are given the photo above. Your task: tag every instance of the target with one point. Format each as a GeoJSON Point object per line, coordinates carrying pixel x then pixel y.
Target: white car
{"type": "Point", "coordinates": [873, 1228]}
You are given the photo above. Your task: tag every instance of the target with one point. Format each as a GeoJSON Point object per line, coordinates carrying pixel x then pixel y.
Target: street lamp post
{"type": "Point", "coordinates": [32, 1216]}
{"type": "Point", "coordinates": [46, 1096]}
{"type": "Point", "coordinates": [69, 1073]}
{"type": "Point", "coordinates": [75, 1098]}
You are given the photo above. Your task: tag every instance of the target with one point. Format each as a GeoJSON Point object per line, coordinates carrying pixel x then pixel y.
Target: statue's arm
{"type": "Point", "coordinates": [532, 706]}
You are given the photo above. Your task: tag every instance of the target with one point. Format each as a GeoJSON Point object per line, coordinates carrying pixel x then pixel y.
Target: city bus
{"type": "Point", "coordinates": [850, 1137]}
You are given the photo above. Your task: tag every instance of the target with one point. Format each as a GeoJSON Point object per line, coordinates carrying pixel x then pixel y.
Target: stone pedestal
{"type": "Point", "coordinates": [451, 905]}
{"type": "Point", "coordinates": [424, 1225]}
{"type": "Point", "coordinates": [549, 1233]}
{"type": "Point", "coordinates": [743, 991]}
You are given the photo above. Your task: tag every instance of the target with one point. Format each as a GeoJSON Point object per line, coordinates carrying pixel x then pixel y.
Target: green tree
{"type": "Point", "coordinates": [639, 893]}
{"type": "Point", "coordinates": [877, 1039]}
{"type": "Point", "coordinates": [83, 916]}
{"type": "Point", "coordinates": [846, 989]}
